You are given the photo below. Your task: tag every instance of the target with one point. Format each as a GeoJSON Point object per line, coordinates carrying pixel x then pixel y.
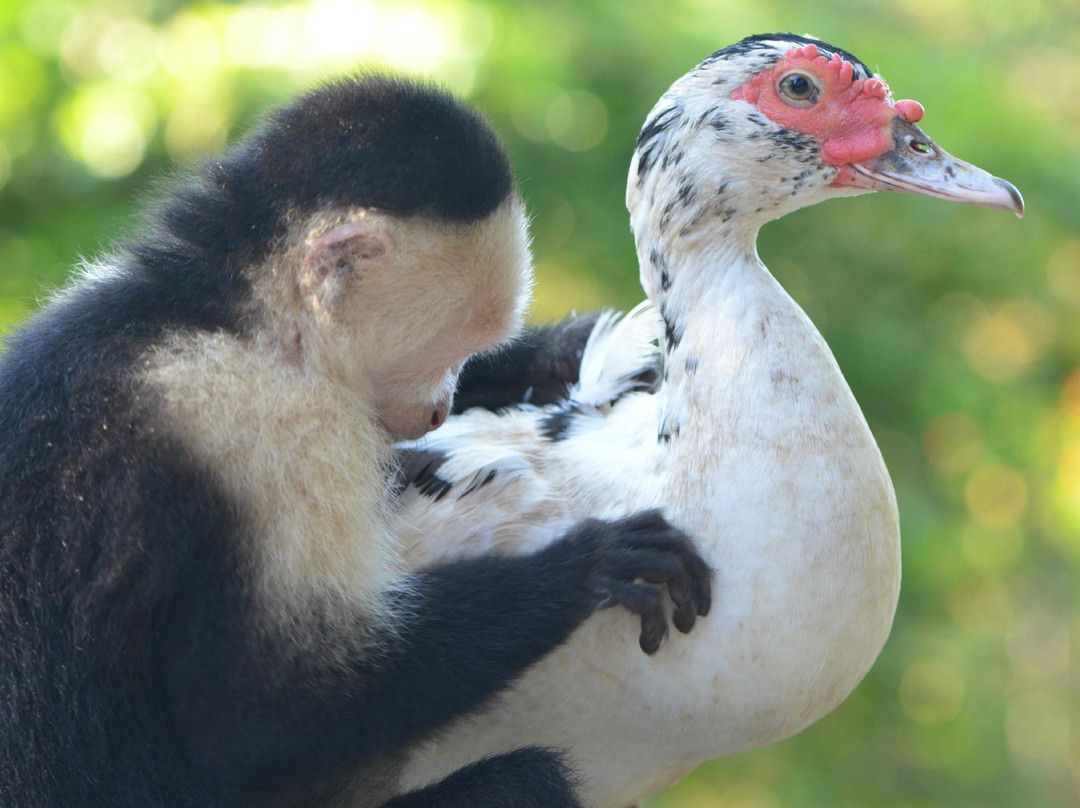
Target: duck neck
{"type": "Point", "coordinates": [703, 276]}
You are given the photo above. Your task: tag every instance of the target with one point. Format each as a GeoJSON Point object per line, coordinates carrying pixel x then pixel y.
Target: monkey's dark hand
{"type": "Point", "coordinates": [626, 559]}
{"type": "Point", "coordinates": [536, 368]}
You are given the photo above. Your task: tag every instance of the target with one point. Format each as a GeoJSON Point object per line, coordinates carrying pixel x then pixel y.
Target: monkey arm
{"type": "Point", "coordinates": [535, 368]}
{"type": "Point", "coordinates": [271, 720]}
{"type": "Point", "coordinates": [526, 778]}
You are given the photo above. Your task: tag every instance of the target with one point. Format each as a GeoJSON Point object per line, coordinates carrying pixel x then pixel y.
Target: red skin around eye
{"type": "Point", "coordinates": [851, 119]}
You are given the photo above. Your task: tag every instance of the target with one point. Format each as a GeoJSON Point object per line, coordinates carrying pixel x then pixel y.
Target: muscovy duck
{"type": "Point", "coordinates": [719, 402]}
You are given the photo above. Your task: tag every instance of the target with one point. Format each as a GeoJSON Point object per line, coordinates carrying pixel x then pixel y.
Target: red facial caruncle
{"type": "Point", "coordinates": [811, 93]}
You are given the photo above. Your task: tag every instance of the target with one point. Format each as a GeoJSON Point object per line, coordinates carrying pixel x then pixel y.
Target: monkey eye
{"type": "Point", "coordinates": [798, 89]}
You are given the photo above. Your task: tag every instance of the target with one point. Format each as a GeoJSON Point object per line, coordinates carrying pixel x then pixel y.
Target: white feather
{"type": "Point", "coordinates": [620, 348]}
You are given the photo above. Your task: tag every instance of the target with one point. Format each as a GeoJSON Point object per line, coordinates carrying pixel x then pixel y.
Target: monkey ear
{"type": "Point", "coordinates": [339, 255]}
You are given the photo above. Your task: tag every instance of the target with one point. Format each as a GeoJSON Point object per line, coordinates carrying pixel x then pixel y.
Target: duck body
{"type": "Point", "coordinates": [752, 442]}
{"type": "Point", "coordinates": [775, 473]}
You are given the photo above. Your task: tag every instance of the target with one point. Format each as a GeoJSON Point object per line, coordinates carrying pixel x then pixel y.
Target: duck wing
{"type": "Point", "coordinates": [497, 476]}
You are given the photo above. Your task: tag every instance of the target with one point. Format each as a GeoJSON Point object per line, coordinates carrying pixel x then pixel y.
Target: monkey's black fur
{"type": "Point", "coordinates": [521, 779]}
{"type": "Point", "coordinates": [401, 147]}
{"type": "Point", "coordinates": [536, 368]}
{"type": "Point", "coordinates": [135, 667]}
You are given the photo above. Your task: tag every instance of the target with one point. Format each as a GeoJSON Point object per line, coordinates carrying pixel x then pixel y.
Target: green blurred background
{"type": "Point", "coordinates": [956, 327]}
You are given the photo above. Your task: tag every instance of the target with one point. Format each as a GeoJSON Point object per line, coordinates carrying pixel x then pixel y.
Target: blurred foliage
{"type": "Point", "coordinates": [957, 327]}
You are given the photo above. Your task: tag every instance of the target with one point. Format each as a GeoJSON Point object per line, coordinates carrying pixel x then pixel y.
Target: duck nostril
{"type": "Point", "coordinates": [919, 147]}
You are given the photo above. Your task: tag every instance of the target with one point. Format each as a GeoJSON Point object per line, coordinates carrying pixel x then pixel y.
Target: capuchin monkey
{"type": "Point", "coordinates": [201, 598]}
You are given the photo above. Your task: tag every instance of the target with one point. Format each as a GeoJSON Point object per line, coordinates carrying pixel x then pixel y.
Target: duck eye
{"type": "Point", "coordinates": [798, 89]}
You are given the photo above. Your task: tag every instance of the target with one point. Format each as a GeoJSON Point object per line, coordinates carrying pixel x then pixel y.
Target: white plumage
{"type": "Point", "coordinates": [752, 442]}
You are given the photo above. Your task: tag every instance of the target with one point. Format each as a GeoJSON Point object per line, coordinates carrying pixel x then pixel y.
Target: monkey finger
{"type": "Point", "coordinates": [647, 603]}
{"type": "Point", "coordinates": [687, 580]}
{"type": "Point", "coordinates": [686, 607]}
{"type": "Point", "coordinates": [653, 631]}
{"type": "Point", "coordinates": [654, 533]}
{"type": "Point", "coordinates": [701, 579]}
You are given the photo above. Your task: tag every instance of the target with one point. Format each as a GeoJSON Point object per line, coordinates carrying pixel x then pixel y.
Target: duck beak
{"type": "Point", "coordinates": [917, 165]}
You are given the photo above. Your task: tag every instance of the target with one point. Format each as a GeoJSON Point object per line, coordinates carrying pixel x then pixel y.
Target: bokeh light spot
{"type": "Point", "coordinates": [338, 28]}
{"type": "Point", "coordinates": [1039, 646]}
{"type": "Point", "coordinates": [22, 82]}
{"type": "Point", "coordinates": [127, 51]}
{"type": "Point", "coordinates": [107, 127]}
{"type": "Point", "coordinates": [992, 551]}
{"type": "Point", "coordinates": [981, 607]}
{"type": "Point", "coordinates": [190, 47]}
{"type": "Point", "coordinates": [1070, 394]}
{"type": "Point", "coordinates": [245, 35]}
{"type": "Point", "coordinates": [997, 496]}
{"type": "Point", "coordinates": [413, 36]}
{"type": "Point", "coordinates": [944, 20]}
{"type": "Point", "coordinates": [1038, 732]}
{"type": "Point", "coordinates": [79, 42]}
{"type": "Point", "coordinates": [1007, 340]}
{"type": "Point", "coordinates": [195, 129]}
{"type": "Point", "coordinates": [1063, 271]}
{"type": "Point", "coordinates": [528, 109]}
{"type": "Point", "coordinates": [931, 692]}
{"type": "Point", "coordinates": [559, 279]}
{"type": "Point", "coordinates": [953, 443]}
{"type": "Point", "coordinates": [11, 312]}
{"type": "Point", "coordinates": [42, 24]}
{"type": "Point", "coordinates": [577, 120]}
{"type": "Point", "coordinates": [477, 31]}
{"type": "Point", "coordinates": [1046, 80]}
